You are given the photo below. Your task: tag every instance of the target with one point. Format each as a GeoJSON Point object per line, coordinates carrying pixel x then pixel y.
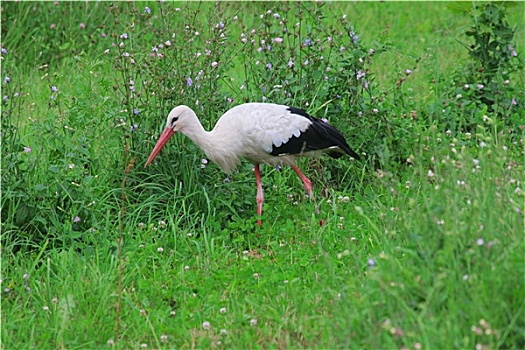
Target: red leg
{"type": "Point", "coordinates": [260, 194]}
{"type": "Point", "coordinates": [307, 185]}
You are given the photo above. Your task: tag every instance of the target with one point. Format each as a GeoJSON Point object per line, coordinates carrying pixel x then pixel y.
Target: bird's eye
{"type": "Point", "coordinates": [173, 121]}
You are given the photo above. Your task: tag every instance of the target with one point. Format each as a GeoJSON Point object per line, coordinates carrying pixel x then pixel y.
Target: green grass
{"type": "Point", "coordinates": [421, 254]}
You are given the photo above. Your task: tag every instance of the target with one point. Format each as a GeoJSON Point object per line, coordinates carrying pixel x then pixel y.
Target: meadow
{"type": "Point", "coordinates": [422, 245]}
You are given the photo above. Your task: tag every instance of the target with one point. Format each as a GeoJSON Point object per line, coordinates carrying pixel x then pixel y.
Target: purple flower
{"type": "Point", "coordinates": [54, 88]}
{"type": "Point", "coordinates": [268, 65]}
{"type": "Point", "coordinates": [360, 74]}
{"type": "Point", "coordinates": [214, 64]}
{"type": "Point", "coordinates": [307, 42]}
{"type": "Point", "coordinates": [124, 36]}
{"type": "Point", "coordinates": [480, 241]}
{"type": "Point", "coordinates": [147, 10]}
{"type": "Point", "coordinates": [82, 25]}
{"type": "Point", "coordinates": [513, 52]}
{"type": "Point", "coordinates": [276, 16]}
{"type": "Point", "coordinates": [76, 219]}
{"type": "Point", "coordinates": [5, 98]}
{"type": "Point", "coordinates": [27, 149]}
{"type": "Point", "coordinates": [154, 49]}
{"type": "Point", "coordinates": [354, 37]}
{"type": "Point", "coordinates": [408, 71]}
{"type": "Point", "coordinates": [136, 111]}
{"type": "Point", "coordinates": [371, 263]}
{"type": "Point", "coordinates": [4, 51]}
{"type": "Point", "coordinates": [189, 82]}
{"type": "Point", "coordinates": [220, 25]}
{"type": "Point", "coordinates": [513, 102]}
{"type": "Point", "coordinates": [125, 54]}
{"type": "Point", "coordinates": [7, 80]}
{"type": "Point", "coordinates": [278, 168]}
{"type": "Point", "coordinates": [134, 127]}
{"type": "Point", "coordinates": [481, 86]}
{"type": "Point", "coordinates": [278, 40]}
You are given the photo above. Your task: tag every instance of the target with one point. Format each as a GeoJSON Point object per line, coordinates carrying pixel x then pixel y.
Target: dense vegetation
{"type": "Point", "coordinates": [423, 242]}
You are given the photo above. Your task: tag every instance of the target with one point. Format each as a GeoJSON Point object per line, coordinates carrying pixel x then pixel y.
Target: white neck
{"type": "Point", "coordinates": [211, 142]}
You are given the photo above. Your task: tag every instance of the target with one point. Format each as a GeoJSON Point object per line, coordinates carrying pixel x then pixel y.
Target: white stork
{"type": "Point", "coordinates": [261, 133]}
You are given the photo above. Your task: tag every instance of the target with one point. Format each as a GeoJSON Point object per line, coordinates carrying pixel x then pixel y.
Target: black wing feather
{"type": "Point", "coordinates": [319, 136]}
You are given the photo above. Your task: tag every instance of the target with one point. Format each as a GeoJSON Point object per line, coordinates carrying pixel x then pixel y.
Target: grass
{"type": "Point", "coordinates": [426, 253]}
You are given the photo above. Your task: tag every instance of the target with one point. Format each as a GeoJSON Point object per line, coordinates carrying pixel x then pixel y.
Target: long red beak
{"type": "Point", "coordinates": [163, 139]}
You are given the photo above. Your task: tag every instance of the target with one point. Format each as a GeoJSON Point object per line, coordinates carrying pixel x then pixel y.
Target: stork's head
{"type": "Point", "coordinates": [177, 119]}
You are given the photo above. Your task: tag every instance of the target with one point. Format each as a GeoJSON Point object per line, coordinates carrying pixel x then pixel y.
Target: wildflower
{"type": "Point", "coordinates": [355, 37]}
{"type": "Point", "coordinates": [82, 25]}
{"type": "Point", "coordinates": [480, 241]}
{"type": "Point", "coordinates": [276, 16]}
{"type": "Point", "coordinates": [220, 25]}
{"type": "Point", "coordinates": [76, 219]}
{"type": "Point", "coordinates": [466, 86]}
{"type": "Point", "coordinates": [253, 322]}
{"type": "Point", "coordinates": [136, 111]}
{"type": "Point", "coordinates": [7, 80]}
{"type": "Point", "coordinates": [268, 65]}
{"type": "Point", "coordinates": [46, 308]}
{"type": "Point", "coordinates": [163, 338]}
{"type": "Point", "coordinates": [160, 249]}
{"type": "Point", "coordinates": [222, 310]}
{"type": "Point", "coordinates": [371, 51]}
{"type": "Point", "coordinates": [307, 42]}
{"type": "Point", "coordinates": [186, 268]}
{"type": "Point", "coordinates": [167, 43]}
{"type": "Point", "coordinates": [54, 89]}
{"type": "Point", "coordinates": [106, 51]}
{"type": "Point", "coordinates": [189, 82]}
{"type": "Point", "coordinates": [206, 325]}
{"type": "Point", "coordinates": [458, 96]}
{"type": "Point", "coordinates": [154, 49]}
{"type": "Point", "coordinates": [147, 10]}
{"type": "Point", "coordinates": [371, 263]}
{"type": "Point", "coordinates": [27, 149]}
{"type": "Point", "coordinates": [214, 64]}
{"type": "Point", "coordinates": [143, 345]}
{"type": "Point", "coordinates": [375, 110]}
{"type": "Point", "coordinates": [278, 40]}
{"type": "Point", "coordinates": [223, 331]}
{"type": "Point", "coordinates": [110, 342]}
{"type": "Point", "coordinates": [344, 17]}
{"type": "Point", "coordinates": [408, 71]}
{"type": "Point", "coordinates": [124, 36]}
{"type": "Point", "coordinates": [290, 63]}
{"type": "Point", "coordinates": [482, 144]}
{"type": "Point", "coordinates": [481, 86]}
{"type": "Point", "coordinates": [513, 52]}
{"type": "Point", "coordinates": [53, 26]}
{"type": "Point", "coordinates": [513, 102]}
{"type": "Point", "coordinates": [360, 74]}
{"type": "Point", "coordinates": [306, 62]}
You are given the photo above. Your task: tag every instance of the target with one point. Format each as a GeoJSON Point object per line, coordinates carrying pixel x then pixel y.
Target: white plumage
{"type": "Point", "coordinates": [261, 133]}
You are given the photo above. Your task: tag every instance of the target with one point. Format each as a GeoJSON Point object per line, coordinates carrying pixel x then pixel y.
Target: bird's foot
{"type": "Point", "coordinates": [259, 222]}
